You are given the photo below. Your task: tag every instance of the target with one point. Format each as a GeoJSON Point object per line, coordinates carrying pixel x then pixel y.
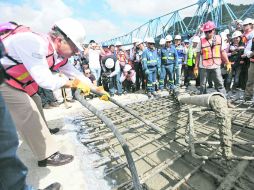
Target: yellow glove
{"type": "Point", "coordinates": [82, 86]}
{"type": "Point", "coordinates": [105, 95]}
{"type": "Point", "coordinates": [195, 71]}
{"type": "Point", "coordinates": [228, 67]}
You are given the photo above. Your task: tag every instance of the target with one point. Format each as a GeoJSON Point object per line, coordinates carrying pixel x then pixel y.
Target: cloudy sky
{"type": "Point", "coordinates": [103, 19]}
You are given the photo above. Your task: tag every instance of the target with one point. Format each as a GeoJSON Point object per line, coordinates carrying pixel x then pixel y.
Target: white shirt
{"type": "Point", "coordinates": [31, 50]}
{"type": "Point", "coordinates": [94, 59]}
{"type": "Point", "coordinates": [247, 50]}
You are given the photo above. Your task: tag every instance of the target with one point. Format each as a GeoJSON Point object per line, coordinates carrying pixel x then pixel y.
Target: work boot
{"type": "Point", "coordinates": [54, 131]}
{"type": "Point", "coordinates": [56, 159]}
{"type": "Point", "coordinates": [149, 94]}
{"type": "Point", "coordinates": [53, 186]}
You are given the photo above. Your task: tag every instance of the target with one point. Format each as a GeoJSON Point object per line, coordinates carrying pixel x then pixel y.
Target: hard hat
{"type": "Point", "coordinates": [186, 41]}
{"type": "Point", "coordinates": [162, 41]}
{"type": "Point", "coordinates": [127, 68]}
{"type": "Point", "coordinates": [236, 34]}
{"type": "Point", "coordinates": [247, 21]}
{"type": "Point", "coordinates": [223, 36]}
{"type": "Point", "coordinates": [109, 63]}
{"type": "Point", "coordinates": [139, 41]}
{"type": "Point", "coordinates": [238, 21]}
{"type": "Point", "coordinates": [150, 40]}
{"type": "Point", "coordinates": [169, 38]}
{"type": "Point", "coordinates": [73, 29]}
{"type": "Point", "coordinates": [178, 37]}
{"type": "Point", "coordinates": [226, 31]}
{"type": "Point", "coordinates": [6, 26]}
{"type": "Point", "coordinates": [196, 39]}
{"type": "Point", "coordinates": [208, 26]}
{"type": "Point", "coordinates": [118, 43]}
{"type": "Point", "coordinates": [134, 40]}
{"type": "Point", "coordinates": [104, 45]}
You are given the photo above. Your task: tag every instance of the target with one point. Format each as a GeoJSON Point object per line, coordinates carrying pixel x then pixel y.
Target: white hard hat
{"type": "Point", "coordinates": [178, 37]}
{"type": "Point", "coordinates": [73, 29]}
{"type": "Point", "coordinates": [162, 41]}
{"type": "Point", "coordinates": [139, 41]}
{"type": "Point", "coordinates": [236, 34]}
{"type": "Point", "coordinates": [127, 68]}
{"type": "Point", "coordinates": [226, 31]}
{"type": "Point", "coordinates": [118, 43]}
{"type": "Point", "coordinates": [223, 36]}
{"type": "Point", "coordinates": [109, 63]}
{"type": "Point", "coordinates": [169, 38]}
{"type": "Point", "coordinates": [134, 40]}
{"type": "Point", "coordinates": [247, 21]}
{"type": "Point", "coordinates": [196, 39]}
{"type": "Point", "coordinates": [150, 40]}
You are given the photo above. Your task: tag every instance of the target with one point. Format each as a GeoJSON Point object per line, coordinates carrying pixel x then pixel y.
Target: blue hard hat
{"type": "Point", "coordinates": [186, 41]}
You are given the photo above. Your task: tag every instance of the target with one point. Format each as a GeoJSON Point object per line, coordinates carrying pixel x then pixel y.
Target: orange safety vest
{"type": "Point", "coordinates": [121, 58]}
{"type": "Point", "coordinates": [211, 53]}
{"type": "Point", "coordinates": [19, 77]}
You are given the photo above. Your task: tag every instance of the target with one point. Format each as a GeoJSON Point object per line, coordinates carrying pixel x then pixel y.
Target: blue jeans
{"type": "Point", "coordinates": [96, 73]}
{"type": "Point", "coordinates": [119, 85]}
{"type": "Point", "coordinates": [13, 171]}
{"type": "Point", "coordinates": [167, 69]}
{"type": "Point", "coordinates": [151, 79]}
{"type": "Point", "coordinates": [178, 70]}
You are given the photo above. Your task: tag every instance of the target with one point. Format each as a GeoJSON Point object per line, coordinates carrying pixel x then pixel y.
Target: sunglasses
{"type": "Point", "coordinates": [168, 41]}
{"type": "Point", "coordinates": [208, 32]}
{"type": "Point", "coordinates": [88, 73]}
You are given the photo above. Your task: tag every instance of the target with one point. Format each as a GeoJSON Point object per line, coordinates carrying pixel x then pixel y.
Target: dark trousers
{"type": "Point", "coordinates": [46, 95]}
{"type": "Point", "coordinates": [140, 78]}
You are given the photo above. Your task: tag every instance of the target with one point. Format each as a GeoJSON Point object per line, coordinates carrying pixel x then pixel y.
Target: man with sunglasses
{"type": "Point", "coordinates": [169, 60]}
{"type": "Point", "coordinates": [150, 63]}
{"type": "Point", "coordinates": [30, 60]}
{"type": "Point", "coordinates": [210, 53]}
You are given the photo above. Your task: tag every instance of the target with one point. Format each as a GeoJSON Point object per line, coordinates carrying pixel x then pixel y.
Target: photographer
{"type": "Point", "coordinates": [128, 78]}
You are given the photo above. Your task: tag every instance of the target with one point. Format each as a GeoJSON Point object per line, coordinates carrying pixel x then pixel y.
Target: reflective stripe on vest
{"type": "Point", "coordinates": [211, 53]}
{"type": "Point", "coordinates": [22, 80]}
{"type": "Point", "coordinates": [152, 61]}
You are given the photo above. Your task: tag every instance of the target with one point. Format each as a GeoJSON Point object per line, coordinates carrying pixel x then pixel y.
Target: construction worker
{"type": "Point", "coordinates": [181, 59]}
{"type": "Point", "coordinates": [249, 51]}
{"type": "Point", "coordinates": [128, 78]}
{"type": "Point", "coordinates": [151, 63]}
{"type": "Point", "coordinates": [210, 53]}
{"type": "Point", "coordinates": [140, 76]}
{"type": "Point", "coordinates": [110, 68]}
{"type": "Point", "coordinates": [169, 60]}
{"type": "Point", "coordinates": [191, 57]}
{"type": "Point", "coordinates": [28, 64]}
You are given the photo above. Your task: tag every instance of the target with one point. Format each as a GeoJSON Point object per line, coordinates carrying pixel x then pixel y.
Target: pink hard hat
{"type": "Point", "coordinates": [6, 26]}
{"type": "Point", "coordinates": [208, 26]}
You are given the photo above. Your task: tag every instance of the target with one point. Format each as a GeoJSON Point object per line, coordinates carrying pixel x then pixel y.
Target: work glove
{"type": "Point", "coordinates": [228, 67]}
{"type": "Point", "coordinates": [147, 72]}
{"type": "Point", "coordinates": [195, 71]}
{"type": "Point", "coordinates": [82, 86]}
{"type": "Point", "coordinates": [105, 95]}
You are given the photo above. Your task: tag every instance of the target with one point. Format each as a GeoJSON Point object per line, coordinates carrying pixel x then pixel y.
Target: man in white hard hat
{"type": "Point", "coordinates": [151, 63]}
{"type": "Point", "coordinates": [181, 59]}
{"type": "Point", "coordinates": [169, 60]}
{"type": "Point", "coordinates": [30, 60]}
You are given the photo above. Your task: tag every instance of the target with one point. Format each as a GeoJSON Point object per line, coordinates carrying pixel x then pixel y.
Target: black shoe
{"type": "Point", "coordinates": [56, 159]}
{"type": "Point", "coordinates": [71, 101]}
{"type": "Point", "coordinates": [54, 131]}
{"type": "Point", "coordinates": [53, 186]}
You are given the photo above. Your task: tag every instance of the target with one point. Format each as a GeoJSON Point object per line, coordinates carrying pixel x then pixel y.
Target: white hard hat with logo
{"type": "Point", "coordinates": [73, 30]}
{"type": "Point", "coordinates": [178, 37]}
{"type": "Point", "coordinates": [162, 41]}
{"type": "Point", "coordinates": [150, 40]}
{"type": "Point", "coordinates": [109, 63]}
{"type": "Point", "coordinates": [169, 38]}
{"type": "Point", "coordinates": [118, 43]}
{"type": "Point", "coordinates": [196, 39]}
{"type": "Point", "coordinates": [236, 34]}
{"type": "Point", "coordinates": [127, 68]}
{"type": "Point", "coordinates": [247, 21]}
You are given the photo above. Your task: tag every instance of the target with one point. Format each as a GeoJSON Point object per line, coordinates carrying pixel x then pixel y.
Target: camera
{"type": "Point", "coordinates": [129, 72]}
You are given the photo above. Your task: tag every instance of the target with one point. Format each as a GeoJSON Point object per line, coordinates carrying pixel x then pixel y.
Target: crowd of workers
{"type": "Point", "coordinates": [55, 65]}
